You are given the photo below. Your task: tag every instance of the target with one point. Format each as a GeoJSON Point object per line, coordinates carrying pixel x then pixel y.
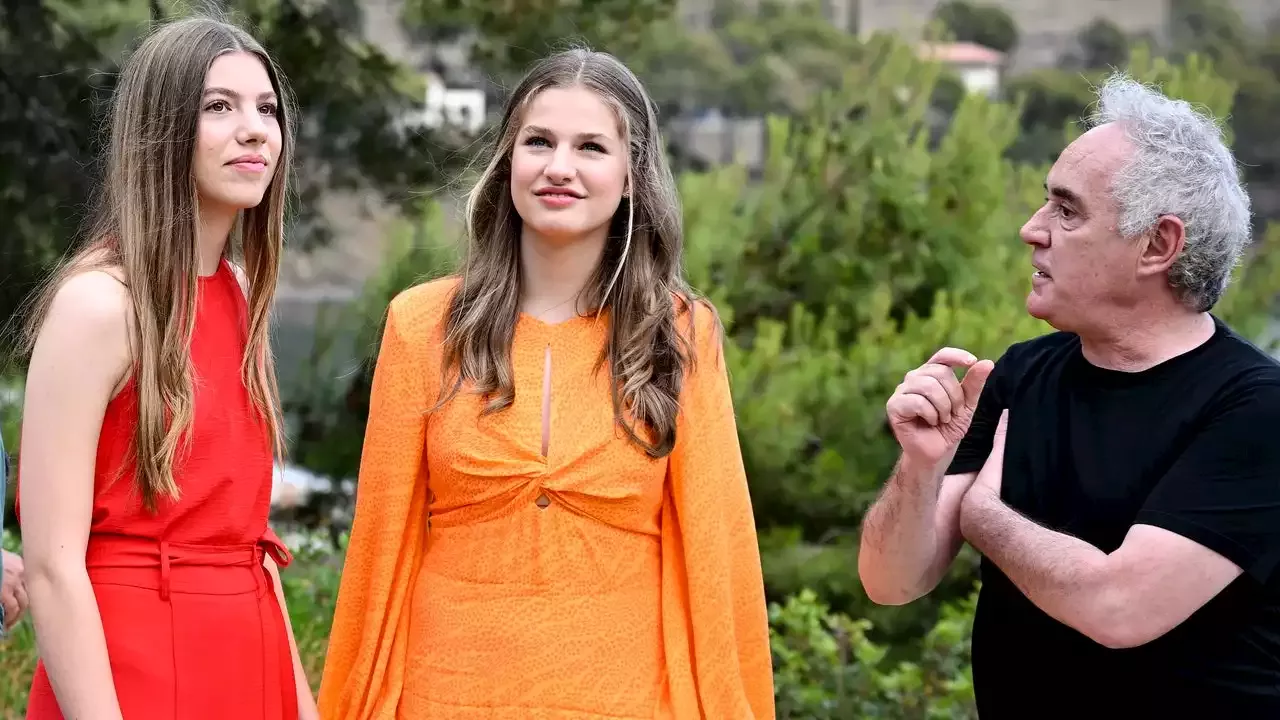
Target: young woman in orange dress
{"type": "Point", "coordinates": [151, 412]}
{"type": "Point", "coordinates": [552, 517]}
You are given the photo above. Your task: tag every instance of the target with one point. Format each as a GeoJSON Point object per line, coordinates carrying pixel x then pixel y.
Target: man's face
{"type": "Point", "coordinates": [1083, 267]}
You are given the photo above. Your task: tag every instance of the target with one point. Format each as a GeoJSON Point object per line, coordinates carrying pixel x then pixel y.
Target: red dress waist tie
{"type": "Point", "coordinates": [179, 571]}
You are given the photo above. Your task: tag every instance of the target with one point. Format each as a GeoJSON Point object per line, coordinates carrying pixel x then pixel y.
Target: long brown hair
{"type": "Point", "coordinates": [145, 224]}
{"type": "Point", "coordinates": [639, 280]}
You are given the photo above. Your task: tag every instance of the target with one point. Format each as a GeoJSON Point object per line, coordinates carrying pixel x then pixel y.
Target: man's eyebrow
{"type": "Point", "coordinates": [1062, 193]}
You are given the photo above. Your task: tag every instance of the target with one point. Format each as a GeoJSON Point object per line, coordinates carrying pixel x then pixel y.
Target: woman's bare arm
{"type": "Point", "coordinates": [79, 360]}
{"type": "Point", "coordinates": [306, 699]}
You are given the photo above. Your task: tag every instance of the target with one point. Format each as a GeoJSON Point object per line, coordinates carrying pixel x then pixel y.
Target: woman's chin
{"type": "Point", "coordinates": [562, 233]}
{"type": "Point", "coordinates": [234, 200]}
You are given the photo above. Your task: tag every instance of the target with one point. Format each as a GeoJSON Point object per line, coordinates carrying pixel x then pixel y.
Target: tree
{"type": "Point", "coordinates": [46, 140]}
{"type": "Point", "coordinates": [1211, 28]}
{"type": "Point", "coordinates": [508, 35]}
{"type": "Point", "coordinates": [788, 53]}
{"type": "Point", "coordinates": [686, 70]}
{"type": "Point", "coordinates": [985, 25]}
{"type": "Point", "coordinates": [1103, 45]}
{"type": "Point", "coordinates": [1052, 100]}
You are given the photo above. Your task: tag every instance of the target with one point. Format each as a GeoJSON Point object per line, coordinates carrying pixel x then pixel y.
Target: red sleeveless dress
{"type": "Point", "coordinates": [192, 624]}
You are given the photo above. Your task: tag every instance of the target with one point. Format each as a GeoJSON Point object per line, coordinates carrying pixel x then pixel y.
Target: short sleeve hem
{"type": "Point", "coordinates": [963, 466]}
{"type": "Point", "coordinates": [1258, 568]}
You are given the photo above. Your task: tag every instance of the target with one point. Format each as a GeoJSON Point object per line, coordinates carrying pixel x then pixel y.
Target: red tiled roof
{"type": "Point", "coordinates": [962, 53]}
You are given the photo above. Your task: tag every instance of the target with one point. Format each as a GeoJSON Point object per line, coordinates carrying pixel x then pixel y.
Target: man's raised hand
{"type": "Point", "coordinates": [931, 410]}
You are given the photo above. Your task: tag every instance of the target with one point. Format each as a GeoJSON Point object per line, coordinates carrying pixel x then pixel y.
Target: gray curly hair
{"type": "Point", "coordinates": [1181, 166]}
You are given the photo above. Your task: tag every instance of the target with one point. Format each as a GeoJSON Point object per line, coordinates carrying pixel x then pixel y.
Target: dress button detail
{"type": "Point", "coordinates": [543, 501]}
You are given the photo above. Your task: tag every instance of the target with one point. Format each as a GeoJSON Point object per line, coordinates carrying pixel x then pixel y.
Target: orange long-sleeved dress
{"type": "Point", "coordinates": [484, 579]}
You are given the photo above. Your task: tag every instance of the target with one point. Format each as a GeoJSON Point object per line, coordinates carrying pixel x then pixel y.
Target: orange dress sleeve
{"type": "Point", "coordinates": [715, 621]}
{"type": "Point", "coordinates": [364, 668]}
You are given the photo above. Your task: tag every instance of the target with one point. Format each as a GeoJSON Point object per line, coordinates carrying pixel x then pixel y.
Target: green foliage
{"type": "Point", "coordinates": [1054, 100]}
{"type": "Point", "coordinates": [1104, 45]}
{"type": "Point", "coordinates": [1194, 79]}
{"type": "Point", "coordinates": [46, 102]}
{"type": "Point", "coordinates": [1207, 27]}
{"type": "Point", "coordinates": [774, 56]}
{"type": "Point", "coordinates": [1249, 303]}
{"type": "Point", "coordinates": [683, 68]}
{"type": "Point", "coordinates": [352, 97]}
{"type": "Point", "coordinates": [17, 654]}
{"type": "Point", "coordinates": [826, 667]}
{"type": "Point", "coordinates": [311, 592]}
{"type": "Point", "coordinates": [786, 52]}
{"type": "Point", "coordinates": [985, 25]}
{"type": "Point", "coordinates": [510, 34]}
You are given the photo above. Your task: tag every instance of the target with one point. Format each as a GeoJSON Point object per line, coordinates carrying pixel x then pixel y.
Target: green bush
{"type": "Point", "coordinates": [826, 667]}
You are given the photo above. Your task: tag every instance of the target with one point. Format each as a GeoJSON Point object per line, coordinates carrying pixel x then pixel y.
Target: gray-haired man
{"type": "Point", "coordinates": [1121, 477]}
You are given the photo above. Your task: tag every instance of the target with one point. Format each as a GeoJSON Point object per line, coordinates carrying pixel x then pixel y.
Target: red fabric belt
{"type": "Point", "coordinates": [114, 553]}
{"type": "Point", "coordinates": [174, 568]}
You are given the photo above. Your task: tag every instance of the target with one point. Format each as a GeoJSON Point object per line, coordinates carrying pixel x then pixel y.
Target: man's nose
{"type": "Point", "coordinates": [1034, 231]}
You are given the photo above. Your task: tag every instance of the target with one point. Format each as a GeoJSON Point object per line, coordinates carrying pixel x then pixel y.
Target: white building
{"type": "Point", "coordinates": [444, 106]}
{"type": "Point", "coordinates": [981, 69]}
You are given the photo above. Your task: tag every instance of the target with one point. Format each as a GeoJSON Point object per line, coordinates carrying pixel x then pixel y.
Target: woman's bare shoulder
{"type": "Point", "coordinates": [90, 310]}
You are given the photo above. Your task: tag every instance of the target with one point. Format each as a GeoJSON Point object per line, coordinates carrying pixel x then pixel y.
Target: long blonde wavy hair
{"type": "Point", "coordinates": [146, 225]}
{"type": "Point", "coordinates": [639, 280]}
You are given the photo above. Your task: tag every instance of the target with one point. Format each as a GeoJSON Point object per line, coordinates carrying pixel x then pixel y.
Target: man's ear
{"type": "Point", "coordinates": [1162, 245]}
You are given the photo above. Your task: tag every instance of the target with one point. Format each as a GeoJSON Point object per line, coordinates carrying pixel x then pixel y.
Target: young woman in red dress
{"type": "Point", "coordinates": [151, 414]}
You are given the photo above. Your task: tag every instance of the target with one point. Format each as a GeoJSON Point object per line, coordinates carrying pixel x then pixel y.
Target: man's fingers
{"type": "Point", "coordinates": [953, 357]}
{"type": "Point", "coordinates": [909, 407]}
{"type": "Point", "coordinates": [945, 377]}
{"type": "Point", "coordinates": [974, 380]}
{"type": "Point", "coordinates": [931, 389]}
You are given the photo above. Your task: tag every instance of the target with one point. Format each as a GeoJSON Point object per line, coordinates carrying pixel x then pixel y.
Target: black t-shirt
{"type": "Point", "coordinates": [1192, 446]}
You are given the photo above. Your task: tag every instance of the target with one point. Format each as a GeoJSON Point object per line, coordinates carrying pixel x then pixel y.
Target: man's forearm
{"type": "Point", "coordinates": [899, 543]}
{"type": "Point", "coordinates": [1064, 576]}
